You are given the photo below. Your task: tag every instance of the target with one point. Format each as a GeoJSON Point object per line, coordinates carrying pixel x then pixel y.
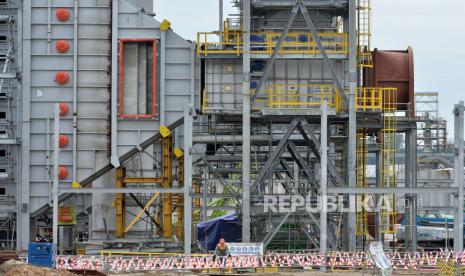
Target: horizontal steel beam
{"type": "Point", "coordinates": [396, 190]}
{"type": "Point", "coordinates": [142, 180]}
{"type": "Point", "coordinates": [9, 141]}
{"type": "Point", "coordinates": [219, 208]}
{"type": "Point", "coordinates": [226, 139]}
{"type": "Point", "coordinates": [436, 208]}
{"type": "Point", "coordinates": [307, 3]}
{"type": "Point", "coordinates": [422, 180]}
{"type": "Point", "coordinates": [8, 76]}
{"type": "Point", "coordinates": [121, 191]}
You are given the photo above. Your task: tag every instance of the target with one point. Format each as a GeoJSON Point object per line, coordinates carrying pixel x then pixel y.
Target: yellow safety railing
{"type": "Point", "coordinates": [295, 96]}
{"type": "Point", "coordinates": [370, 98]}
{"type": "Point", "coordinates": [303, 96]}
{"type": "Point", "coordinates": [265, 42]}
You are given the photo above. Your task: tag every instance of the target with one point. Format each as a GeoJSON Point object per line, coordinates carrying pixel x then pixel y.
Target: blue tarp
{"type": "Point", "coordinates": [210, 232]}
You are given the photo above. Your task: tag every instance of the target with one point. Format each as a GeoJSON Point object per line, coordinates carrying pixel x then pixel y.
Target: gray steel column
{"type": "Point", "coordinates": [246, 122]}
{"type": "Point", "coordinates": [75, 86]}
{"type": "Point", "coordinates": [413, 198]}
{"type": "Point", "coordinates": [23, 208]}
{"type": "Point", "coordinates": [56, 152]}
{"type": "Point", "coordinates": [61, 237]}
{"type": "Point", "coordinates": [205, 193]}
{"type": "Point", "coordinates": [324, 180]}
{"type": "Point", "coordinates": [188, 125]}
{"type": "Point", "coordinates": [408, 170]}
{"type": "Point", "coordinates": [193, 53]}
{"type": "Point", "coordinates": [379, 183]}
{"type": "Point", "coordinates": [162, 78]}
{"type": "Point", "coordinates": [114, 86]}
{"type": "Point", "coordinates": [458, 175]}
{"type": "Point", "coordinates": [352, 133]}
{"type": "Point", "coordinates": [220, 19]}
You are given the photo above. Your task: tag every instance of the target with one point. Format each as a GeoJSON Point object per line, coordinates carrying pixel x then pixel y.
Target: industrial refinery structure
{"type": "Point", "coordinates": [136, 134]}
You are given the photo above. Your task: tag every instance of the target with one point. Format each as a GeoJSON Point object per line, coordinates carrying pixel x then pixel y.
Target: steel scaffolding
{"type": "Point", "coordinates": [432, 128]}
{"type": "Point", "coordinates": [9, 149]}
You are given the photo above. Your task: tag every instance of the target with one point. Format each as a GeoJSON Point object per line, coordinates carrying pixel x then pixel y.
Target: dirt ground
{"type": "Point", "coordinates": [17, 268]}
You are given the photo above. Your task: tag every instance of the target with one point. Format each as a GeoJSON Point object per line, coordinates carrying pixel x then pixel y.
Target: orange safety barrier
{"type": "Point", "coordinates": [64, 109]}
{"type": "Point", "coordinates": [334, 261]}
{"type": "Point", "coordinates": [62, 46]}
{"type": "Point", "coordinates": [62, 77]}
{"type": "Point", "coordinates": [63, 14]}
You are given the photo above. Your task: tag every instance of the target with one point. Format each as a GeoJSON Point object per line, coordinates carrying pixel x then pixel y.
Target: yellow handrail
{"type": "Point", "coordinates": [265, 42]}
{"type": "Point", "coordinates": [370, 98]}
{"type": "Point", "coordinates": [295, 96]}
{"type": "Point", "coordinates": [301, 96]}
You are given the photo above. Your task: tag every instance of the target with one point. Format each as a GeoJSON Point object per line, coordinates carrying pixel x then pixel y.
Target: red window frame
{"type": "Point", "coordinates": [121, 77]}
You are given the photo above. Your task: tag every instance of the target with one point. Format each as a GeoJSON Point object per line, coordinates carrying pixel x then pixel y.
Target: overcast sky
{"type": "Point", "coordinates": [434, 28]}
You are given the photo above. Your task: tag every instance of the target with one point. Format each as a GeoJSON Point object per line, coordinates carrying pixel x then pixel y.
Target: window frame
{"type": "Point", "coordinates": [121, 113]}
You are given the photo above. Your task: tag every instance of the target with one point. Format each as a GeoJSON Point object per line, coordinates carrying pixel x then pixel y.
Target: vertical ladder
{"type": "Point", "coordinates": [364, 34]}
{"type": "Point", "coordinates": [388, 136]}
{"type": "Point", "coordinates": [362, 158]}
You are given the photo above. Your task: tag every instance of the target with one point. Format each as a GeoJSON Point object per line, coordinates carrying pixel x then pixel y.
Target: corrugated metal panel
{"type": "Point", "coordinates": [93, 95]}
{"type": "Point", "coordinates": [94, 55]}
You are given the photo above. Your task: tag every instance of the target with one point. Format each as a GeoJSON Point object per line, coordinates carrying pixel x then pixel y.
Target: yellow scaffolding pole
{"type": "Point", "coordinates": [167, 161]}
{"type": "Point", "coordinates": [120, 204]}
{"type": "Point", "coordinates": [142, 180]}
{"type": "Point", "coordinates": [362, 158]}
{"type": "Point", "coordinates": [196, 186]}
{"type": "Point", "coordinates": [180, 197]}
{"type": "Point", "coordinates": [137, 217]}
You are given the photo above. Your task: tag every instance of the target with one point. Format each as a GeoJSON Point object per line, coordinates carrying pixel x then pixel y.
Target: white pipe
{"type": "Point", "coordinates": [56, 149]}
{"type": "Point", "coordinates": [49, 27]}
{"type": "Point", "coordinates": [114, 86]}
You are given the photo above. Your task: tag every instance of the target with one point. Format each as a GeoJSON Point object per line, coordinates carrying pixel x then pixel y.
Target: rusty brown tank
{"type": "Point", "coordinates": [371, 217]}
{"type": "Point", "coordinates": [394, 69]}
